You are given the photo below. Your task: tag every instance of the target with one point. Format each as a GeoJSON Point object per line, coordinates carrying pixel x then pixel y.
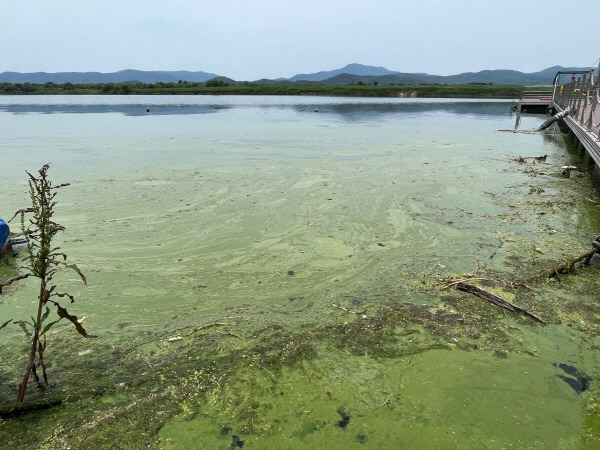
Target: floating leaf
{"type": "Point", "coordinates": [5, 323]}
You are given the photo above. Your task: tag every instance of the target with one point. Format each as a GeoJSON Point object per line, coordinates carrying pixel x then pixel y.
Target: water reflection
{"type": "Point", "coordinates": [367, 111]}
{"type": "Point", "coordinates": [346, 109]}
{"type": "Point", "coordinates": [127, 110]}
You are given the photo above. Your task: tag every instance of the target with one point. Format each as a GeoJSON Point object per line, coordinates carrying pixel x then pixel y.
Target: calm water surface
{"type": "Point", "coordinates": [259, 212]}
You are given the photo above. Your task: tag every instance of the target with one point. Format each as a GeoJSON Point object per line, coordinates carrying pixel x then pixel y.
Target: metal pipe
{"type": "Point", "coordinates": [554, 118]}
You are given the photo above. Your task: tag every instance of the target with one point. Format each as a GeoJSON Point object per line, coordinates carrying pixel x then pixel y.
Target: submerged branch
{"type": "Point", "coordinates": [568, 266]}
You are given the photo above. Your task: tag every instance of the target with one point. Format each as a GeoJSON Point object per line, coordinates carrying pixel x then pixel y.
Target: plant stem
{"type": "Point", "coordinates": [42, 261]}
{"type": "Point", "coordinates": [34, 344]}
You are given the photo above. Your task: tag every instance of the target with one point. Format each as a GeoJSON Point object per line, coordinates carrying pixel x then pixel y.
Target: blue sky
{"type": "Point", "coordinates": [248, 40]}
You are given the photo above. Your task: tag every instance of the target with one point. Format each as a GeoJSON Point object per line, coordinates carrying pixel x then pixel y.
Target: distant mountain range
{"type": "Point", "coordinates": [122, 76]}
{"type": "Point", "coordinates": [350, 74]}
{"type": "Point", "coordinates": [352, 69]}
{"type": "Point", "coordinates": [354, 73]}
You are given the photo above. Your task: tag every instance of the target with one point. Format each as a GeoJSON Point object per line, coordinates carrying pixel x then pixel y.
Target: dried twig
{"type": "Point", "coordinates": [209, 325]}
{"type": "Point", "coordinates": [386, 401]}
{"type": "Point", "coordinates": [449, 283]}
{"type": "Point", "coordinates": [343, 308]}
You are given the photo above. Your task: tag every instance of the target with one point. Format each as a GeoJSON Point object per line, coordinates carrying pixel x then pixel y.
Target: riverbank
{"type": "Point", "coordinates": [474, 90]}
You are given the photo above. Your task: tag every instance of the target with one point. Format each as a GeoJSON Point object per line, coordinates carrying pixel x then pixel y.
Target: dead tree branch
{"type": "Point", "coordinates": [498, 301]}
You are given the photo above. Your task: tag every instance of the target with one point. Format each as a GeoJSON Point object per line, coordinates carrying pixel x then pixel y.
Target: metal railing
{"type": "Point", "coordinates": [581, 95]}
{"type": "Point", "coordinates": [537, 92]}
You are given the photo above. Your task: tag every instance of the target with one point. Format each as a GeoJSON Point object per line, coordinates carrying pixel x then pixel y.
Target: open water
{"type": "Point", "coordinates": [252, 219]}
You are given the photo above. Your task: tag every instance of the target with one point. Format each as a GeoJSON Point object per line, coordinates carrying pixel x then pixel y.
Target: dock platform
{"type": "Point", "coordinates": [536, 99]}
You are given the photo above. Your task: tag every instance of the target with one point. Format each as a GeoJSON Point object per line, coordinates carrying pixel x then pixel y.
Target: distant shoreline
{"type": "Point", "coordinates": [473, 90]}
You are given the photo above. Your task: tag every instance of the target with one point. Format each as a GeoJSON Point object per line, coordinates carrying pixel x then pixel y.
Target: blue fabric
{"type": "Point", "coordinates": [4, 232]}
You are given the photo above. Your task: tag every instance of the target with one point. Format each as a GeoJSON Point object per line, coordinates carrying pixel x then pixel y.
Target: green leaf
{"type": "Point", "coordinates": [46, 314]}
{"type": "Point", "coordinates": [5, 323]}
{"type": "Point", "coordinates": [64, 314]}
{"type": "Point", "coordinates": [48, 326]}
{"type": "Point", "coordinates": [76, 269]}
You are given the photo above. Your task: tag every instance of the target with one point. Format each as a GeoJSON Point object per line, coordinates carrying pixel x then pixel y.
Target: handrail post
{"type": "Point", "coordinates": [582, 98]}
{"type": "Point", "coordinates": [572, 95]}
{"type": "Point", "coordinates": [596, 90]}
{"type": "Point", "coordinates": [577, 99]}
{"type": "Point", "coordinates": [561, 98]}
{"type": "Point", "coordinates": [590, 122]}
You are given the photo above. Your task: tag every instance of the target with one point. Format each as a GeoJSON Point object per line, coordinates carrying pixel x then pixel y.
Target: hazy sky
{"type": "Point", "coordinates": [248, 40]}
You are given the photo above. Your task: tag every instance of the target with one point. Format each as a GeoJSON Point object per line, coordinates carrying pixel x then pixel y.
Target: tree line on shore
{"type": "Point", "coordinates": [221, 87]}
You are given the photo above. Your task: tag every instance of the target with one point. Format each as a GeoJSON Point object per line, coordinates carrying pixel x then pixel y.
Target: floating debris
{"type": "Point", "coordinates": [236, 442]}
{"type": "Point", "coordinates": [345, 417]}
{"type": "Point", "coordinates": [580, 382]}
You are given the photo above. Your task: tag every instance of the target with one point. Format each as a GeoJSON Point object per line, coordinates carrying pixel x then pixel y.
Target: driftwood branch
{"type": "Point", "coordinates": [585, 258]}
{"type": "Point", "coordinates": [498, 301]}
